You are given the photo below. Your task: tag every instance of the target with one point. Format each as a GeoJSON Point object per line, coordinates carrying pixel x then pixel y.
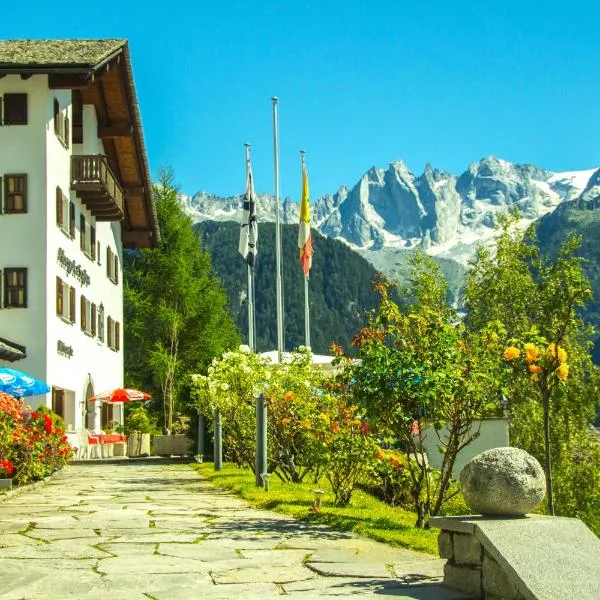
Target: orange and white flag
{"type": "Point", "coordinates": [304, 239]}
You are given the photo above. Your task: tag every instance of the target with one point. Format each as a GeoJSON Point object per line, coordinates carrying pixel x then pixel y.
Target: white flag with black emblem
{"type": "Point", "coordinates": [249, 230]}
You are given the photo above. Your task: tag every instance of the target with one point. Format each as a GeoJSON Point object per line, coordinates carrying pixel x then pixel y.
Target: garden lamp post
{"type": "Point", "coordinates": [261, 439]}
{"type": "Point", "coordinates": [200, 438]}
{"type": "Point", "coordinates": [218, 441]}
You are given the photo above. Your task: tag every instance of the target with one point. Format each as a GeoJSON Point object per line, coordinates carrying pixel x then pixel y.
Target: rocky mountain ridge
{"type": "Point", "coordinates": [392, 210]}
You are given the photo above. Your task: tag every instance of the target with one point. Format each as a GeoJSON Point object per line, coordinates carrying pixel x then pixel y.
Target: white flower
{"type": "Point", "coordinates": [224, 386]}
{"type": "Point", "coordinates": [244, 349]}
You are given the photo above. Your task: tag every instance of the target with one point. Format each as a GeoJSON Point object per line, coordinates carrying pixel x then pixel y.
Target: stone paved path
{"type": "Point", "coordinates": [142, 531]}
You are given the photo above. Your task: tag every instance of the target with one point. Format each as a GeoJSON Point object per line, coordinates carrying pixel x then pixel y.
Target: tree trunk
{"type": "Point", "coordinates": [548, 465]}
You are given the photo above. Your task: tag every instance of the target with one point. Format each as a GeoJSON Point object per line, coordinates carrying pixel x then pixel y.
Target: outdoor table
{"type": "Point", "coordinates": [106, 441]}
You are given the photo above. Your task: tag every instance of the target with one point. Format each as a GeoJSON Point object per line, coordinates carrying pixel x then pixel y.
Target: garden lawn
{"type": "Point", "coordinates": [365, 515]}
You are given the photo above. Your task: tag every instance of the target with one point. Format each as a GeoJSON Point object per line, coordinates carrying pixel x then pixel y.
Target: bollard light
{"type": "Point", "coordinates": [265, 479]}
{"type": "Point", "coordinates": [199, 458]}
{"type": "Point", "coordinates": [318, 494]}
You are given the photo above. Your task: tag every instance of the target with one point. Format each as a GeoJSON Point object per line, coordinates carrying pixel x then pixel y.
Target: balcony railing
{"type": "Point", "coordinates": [96, 185]}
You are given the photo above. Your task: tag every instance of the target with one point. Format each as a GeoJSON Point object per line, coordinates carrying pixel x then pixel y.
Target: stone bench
{"type": "Point", "coordinates": [534, 557]}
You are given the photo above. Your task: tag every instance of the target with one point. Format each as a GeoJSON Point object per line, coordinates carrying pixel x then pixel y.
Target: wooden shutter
{"type": "Point", "coordinates": [72, 304]}
{"type": "Point", "coordinates": [116, 274]}
{"type": "Point", "coordinates": [72, 219]}
{"type": "Point", "coordinates": [109, 332]}
{"type": "Point", "coordinates": [56, 117]}
{"type": "Point", "coordinates": [93, 319]}
{"type": "Point", "coordinates": [82, 232]}
{"type": "Point", "coordinates": [108, 261]}
{"type": "Point", "coordinates": [67, 131]}
{"type": "Point", "coordinates": [59, 296]}
{"type": "Point", "coordinates": [23, 282]}
{"type": "Point", "coordinates": [59, 208]}
{"type": "Point", "coordinates": [15, 109]}
{"type": "Point", "coordinates": [117, 335]}
{"type": "Point", "coordinates": [83, 313]}
{"type": "Point", "coordinates": [1, 194]}
{"type": "Point", "coordinates": [93, 242]}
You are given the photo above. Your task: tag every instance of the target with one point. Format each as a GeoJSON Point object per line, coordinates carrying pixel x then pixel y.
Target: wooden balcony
{"type": "Point", "coordinates": [96, 185]}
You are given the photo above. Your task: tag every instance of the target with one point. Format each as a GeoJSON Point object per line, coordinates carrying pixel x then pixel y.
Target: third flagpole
{"type": "Point", "coordinates": [278, 279]}
{"type": "Point", "coordinates": [250, 273]}
{"type": "Point", "coordinates": [306, 306]}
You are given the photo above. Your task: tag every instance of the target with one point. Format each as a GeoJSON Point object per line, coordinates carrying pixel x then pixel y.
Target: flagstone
{"type": "Point", "coordinates": [60, 550]}
{"type": "Point", "coordinates": [151, 564]}
{"type": "Point", "coordinates": [263, 574]}
{"type": "Point", "coordinates": [64, 534]}
{"type": "Point", "coordinates": [150, 537]}
{"type": "Point", "coordinates": [200, 551]}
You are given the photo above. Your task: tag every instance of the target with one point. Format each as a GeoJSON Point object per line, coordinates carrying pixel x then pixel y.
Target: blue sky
{"type": "Point", "coordinates": [360, 83]}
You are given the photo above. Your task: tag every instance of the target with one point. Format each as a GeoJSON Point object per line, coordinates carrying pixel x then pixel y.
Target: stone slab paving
{"type": "Point", "coordinates": [142, 530]}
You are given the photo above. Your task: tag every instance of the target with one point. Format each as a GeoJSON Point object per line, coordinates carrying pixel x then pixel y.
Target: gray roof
{"type": "Point", "coordinates": [64, 53]}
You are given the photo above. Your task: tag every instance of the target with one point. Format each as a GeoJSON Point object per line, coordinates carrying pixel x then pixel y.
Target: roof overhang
{"type": "Point", "coordinates": [10, 351]}
{"type": "Point", "coordinates": [101, 71]}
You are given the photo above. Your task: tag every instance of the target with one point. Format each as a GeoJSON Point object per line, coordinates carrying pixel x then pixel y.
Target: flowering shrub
{"type": "Point", "coordinates": [391, 477]}
{"type": "Point", "coordinates": [32, 442]}
{"type": "Point", "coordinates": [348, 451]}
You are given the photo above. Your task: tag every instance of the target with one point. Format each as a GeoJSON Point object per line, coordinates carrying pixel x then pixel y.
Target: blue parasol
{"type": "Point", "coordinates": [19, 384]}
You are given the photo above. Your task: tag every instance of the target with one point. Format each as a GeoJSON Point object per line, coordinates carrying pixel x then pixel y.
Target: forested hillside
{"type": "Point", "coordinates": [341, 290]}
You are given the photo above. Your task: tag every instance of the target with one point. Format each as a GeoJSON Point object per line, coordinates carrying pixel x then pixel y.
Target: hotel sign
{"type": "Point", "coordinates": [72, 268]}
{"type": "Point", "coordinates": [63, 349]}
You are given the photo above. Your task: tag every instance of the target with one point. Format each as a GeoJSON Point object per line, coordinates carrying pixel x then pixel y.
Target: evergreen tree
{"type": "Point", "coordinates": [176, 318]}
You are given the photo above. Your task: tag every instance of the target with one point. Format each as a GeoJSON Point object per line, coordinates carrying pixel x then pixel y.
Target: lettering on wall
{"type": "Point", "coordinates": [63, 349]}
{"type": "Point", "coordinates": [72, 268]}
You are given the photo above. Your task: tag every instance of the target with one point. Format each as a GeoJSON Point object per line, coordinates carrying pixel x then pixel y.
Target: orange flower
{"type": "Point", "coordinates": [335, 427]}
{"type": "Point", "coordinates": [289, 396]}
{"type": "Point", "coordinates": [379, 455]}
{"type": "Point", "coordinates": [535, 369]}
{"type": "Point", "coordinates": [511, 353]}
{"type": "Point", "coordinates": [304, 424]}
{"type": "Point", "coordinates": [285, 421]}
{"type": "Point", "coordinates": [562, 371]}
{"type": "Point", "coordinates": [531, 353]}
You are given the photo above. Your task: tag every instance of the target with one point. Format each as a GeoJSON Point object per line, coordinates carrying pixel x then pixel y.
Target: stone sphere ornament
{"type": "Point", "coordinates": [503, 482]}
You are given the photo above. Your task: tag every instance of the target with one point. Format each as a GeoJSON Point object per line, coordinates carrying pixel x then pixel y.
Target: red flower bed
{"type": "Point", "coordinates": [32, 443]}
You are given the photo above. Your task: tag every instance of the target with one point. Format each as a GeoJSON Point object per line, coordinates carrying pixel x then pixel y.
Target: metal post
{"type": "Point", "coordinates": [201, 435]}
{"type": "Point", "coordinates": [278, 275]}
{"type": "Point", "coordinates": [261, 440]}
{"type": "Point", "coordinates": [218, 442]}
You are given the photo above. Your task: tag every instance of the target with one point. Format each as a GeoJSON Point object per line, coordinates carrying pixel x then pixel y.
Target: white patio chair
{"type": "Point", "coordinates": [88, 450]}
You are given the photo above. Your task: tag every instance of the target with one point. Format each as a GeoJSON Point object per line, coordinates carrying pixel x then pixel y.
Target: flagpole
{"type": "Point", "coordinates": [278, 281]}
{"type": "Point", "coordinates": [306, 307]}
{"type": "Point", "coordinates": [250, 275]}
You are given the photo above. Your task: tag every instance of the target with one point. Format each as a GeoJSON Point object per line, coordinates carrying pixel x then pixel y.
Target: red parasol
{"type": "Point", "coordinates": [120, 395]}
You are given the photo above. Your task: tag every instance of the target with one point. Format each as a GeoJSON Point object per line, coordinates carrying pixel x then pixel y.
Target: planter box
{"type": "Point", "coordinates": [5, 484]}
{"type": "Point", "coordinates": [120, 449]}
{"type": "Point", "coordinates": [138, 444]}
{"type": "Point", "coordinates": [166, 445]}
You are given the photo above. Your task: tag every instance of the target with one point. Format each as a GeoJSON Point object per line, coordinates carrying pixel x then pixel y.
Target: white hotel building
{"type": "Point", "coordinates": [74, 190]}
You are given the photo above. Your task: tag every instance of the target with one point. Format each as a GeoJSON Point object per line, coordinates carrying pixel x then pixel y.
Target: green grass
{"type": "Point", "coordinates": [365, 515]}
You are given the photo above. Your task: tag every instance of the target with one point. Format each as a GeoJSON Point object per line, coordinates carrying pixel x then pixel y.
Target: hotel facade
{"type": "Point", "coordinates": [74, 190]}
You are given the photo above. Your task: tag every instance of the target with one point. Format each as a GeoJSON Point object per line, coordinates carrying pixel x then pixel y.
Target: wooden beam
{"type": "Point", "coordinates": [133, 189]}
{"type": "Point", "coordinates": [137, 236]}
{"type": "Point", "coordinates": [115, 130]}
{"type": "Point", "coordinates": [26, 75]}
{"type": "Point", "coordinates": [67, 82]}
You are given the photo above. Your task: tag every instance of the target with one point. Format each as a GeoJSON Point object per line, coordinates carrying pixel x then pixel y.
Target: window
{"type": "Point", "coordinates": [65, 301]}
{"type": "Point", "coordinates": [61, 124]}
{"type": "Point", "coordinates": [15, 194]}
{"type": "Point", "coordinates": [113, 334]}
{"type": "Point", "coordinates": [58, 402]}
{"type": "Point", "coordinates": [65, 213]}
{"type": "Point", "coordinates": [101, 322]}
{"type": "Point", "coordinates": [112, 265]}
{"type": "Point", "coordinates": [14, 109]}
{"type": "Point", "coordinates": [88, 316]}
{"type": "Point", "coordinates": [15, 288]}
{"type": "Point", "coordinates": [87, 240]}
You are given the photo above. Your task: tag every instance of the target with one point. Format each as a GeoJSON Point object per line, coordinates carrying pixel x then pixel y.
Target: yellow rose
{"type": "Point", "coordinates": [562, 372]}
{"type": "Point", "coordinates": [531, 353]}
{"type": "Point", "coordinates": [554, 353]}
{"type": "Point", "coordinates": [511, 353]}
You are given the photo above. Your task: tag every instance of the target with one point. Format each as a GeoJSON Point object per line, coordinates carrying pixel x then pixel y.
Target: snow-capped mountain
{"type": "Point", "coordinates": [392, 210]}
